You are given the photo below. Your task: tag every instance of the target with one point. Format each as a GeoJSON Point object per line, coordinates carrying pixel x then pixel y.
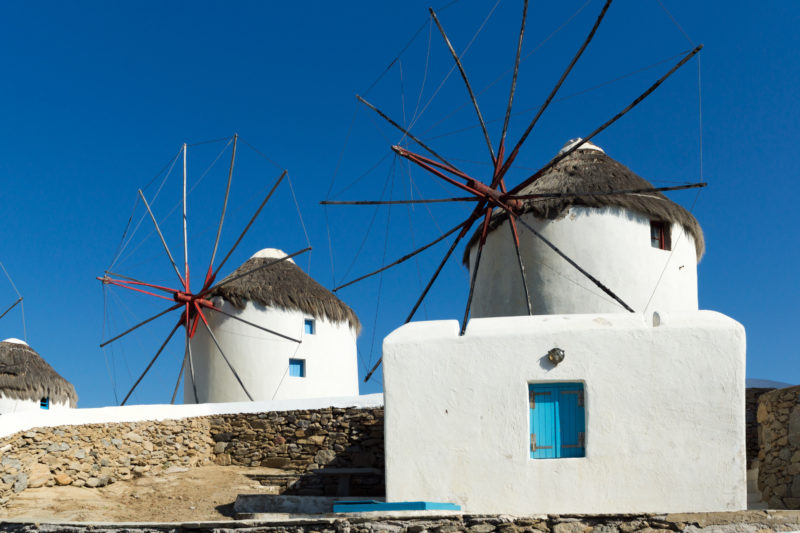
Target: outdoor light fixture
{"type": "Point", "coordinates": [555, 355]}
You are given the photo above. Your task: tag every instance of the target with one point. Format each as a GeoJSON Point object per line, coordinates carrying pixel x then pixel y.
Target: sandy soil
{"type": "Point", "coordinates": [205, 493]}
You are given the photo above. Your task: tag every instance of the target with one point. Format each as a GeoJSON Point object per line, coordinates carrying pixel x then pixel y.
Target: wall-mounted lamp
{"type": "Point", "coordinates": [555, 355]}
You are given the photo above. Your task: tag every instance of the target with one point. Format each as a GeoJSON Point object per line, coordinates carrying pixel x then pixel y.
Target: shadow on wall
{"type": "Point", "coordinates": [325, 452]}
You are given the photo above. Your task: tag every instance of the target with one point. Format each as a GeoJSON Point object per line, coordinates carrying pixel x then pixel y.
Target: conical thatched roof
{"type": "Point", "coordinates": [284, 285]}
{"type": "Point", "coordinates": [589, 169]}
{"type": "Point", "coordinates": [24, 375]}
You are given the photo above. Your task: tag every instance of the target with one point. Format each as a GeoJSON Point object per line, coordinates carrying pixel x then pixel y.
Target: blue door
{"type": "Point", "coordinates": [557, 420]}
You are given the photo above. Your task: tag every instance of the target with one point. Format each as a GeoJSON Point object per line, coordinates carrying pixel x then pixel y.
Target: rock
{"type": "Point", "coordinates": [93, 482]}
{"type": "Point", "coordinates": [223, 459]}
{"type": "Point", "coordinates": [317, 440]}
{"type": "Point", "coordinates": [794, 427]}
{"type": "Point", "coordinates": [63, 479]}
{"type": "Point", "coordinates": [133, 436]}
{"type": "Point", "coordinates": [479, 528]}
{"type": "Point", "coordinates": [275, 462]}
{"type": "Point", "coordinates": [219, 447]}
{"type": "Point", "coordinates": [11, 462]}
{"type": "Point", "coordinates": [220, 437]}
{"type": "Point", "coordinates": [796, 486]}
{"type": "Point", "coordinates": [324, 457]}
{"type": "Point", "coordinates": [792, 503]}
{"type": "Point", "coordinates": [21, 483]}
{"type": "Point", "coordinates": [39, 476]}
{"type": "Point", "coordinates": [570, 527]}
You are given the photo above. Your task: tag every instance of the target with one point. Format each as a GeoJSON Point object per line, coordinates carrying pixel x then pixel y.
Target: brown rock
{"type": "Point", "coordinates": [39, 476]}
{"type": "Point", "coordinates": [63, 479]}
{"type": "Point", "coordinates": [223, 459]}
{"type": "Point", "coordinates": [275, 462]}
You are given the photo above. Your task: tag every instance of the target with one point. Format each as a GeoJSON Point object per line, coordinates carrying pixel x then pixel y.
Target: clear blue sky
{"type": "Point", "coordinates": [95, 97]}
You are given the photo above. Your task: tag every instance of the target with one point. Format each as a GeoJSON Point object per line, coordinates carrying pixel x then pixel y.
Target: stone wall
{"type": "Point", "coordinates": [779, 448]}
{"type": "Point", "coordinates": [738, 522]}
{"type": "Point", "coordinates": [303, 445]}
{"type": "Point", "coordinates": [751, 407]}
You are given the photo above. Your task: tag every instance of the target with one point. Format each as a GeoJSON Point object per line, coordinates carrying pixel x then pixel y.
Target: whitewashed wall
{"type": "Point", "coordinates": [612, 244]}
{"type": "Point", "coordinates": [12, 405]}
{"type": "Point", "coordinates": [262, 359]}
{"type": "Point", "coordinates": [664, 413]}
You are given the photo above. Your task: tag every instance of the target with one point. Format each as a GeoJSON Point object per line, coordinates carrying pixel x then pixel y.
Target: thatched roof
{"type": "Point", "coordinates": [24, 375]}
{"type": "Point", "coordinates": [284, 285]}
{"type": "Point", "coordinates": [591, 170]}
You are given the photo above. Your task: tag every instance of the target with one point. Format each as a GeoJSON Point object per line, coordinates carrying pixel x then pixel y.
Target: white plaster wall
{"type": "Point", "coordinates": [12, 405]}
{"type": "Point", "coordinates": [612, 244]}
{"type": "Point", "coordinates": [23, 421]}
{"type": "Point", "coordinates": [664, 413]}
{"type": "Point", "coordinates": [262, 359]}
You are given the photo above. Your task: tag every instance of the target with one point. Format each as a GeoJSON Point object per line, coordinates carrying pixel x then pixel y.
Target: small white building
{"type": "Point", "coordinates": [583, 407]}
{"type": "Point", "coordinates": [28, 383]}
{"type": "Point", "coordinates": [312, 353]}
{"type": "Point", "coordinates": [644, 247]}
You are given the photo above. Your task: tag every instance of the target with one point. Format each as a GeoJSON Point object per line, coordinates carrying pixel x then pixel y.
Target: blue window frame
{"type": "Point", "coordinates": [44, 403]}
{"type": "Point", "coordinates": [297, 368]}
{"type": "Point", "coordinates": [310, 327]}
{"type": "Point", "coordinates": [558, 420]}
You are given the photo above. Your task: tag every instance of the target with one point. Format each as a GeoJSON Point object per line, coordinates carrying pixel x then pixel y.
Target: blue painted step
{"type": "Point", "coordinates": [366, 506]}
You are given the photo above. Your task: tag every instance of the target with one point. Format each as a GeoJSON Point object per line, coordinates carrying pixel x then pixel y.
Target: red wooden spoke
{"type": "Point", "coordinates": [478, 188]}
{"type": "Point", "coordinates": [406, 153]}
{"type": "Point", "coordinates": [135, 281]}
{"type": "Point", "coordinates": [118, 283]}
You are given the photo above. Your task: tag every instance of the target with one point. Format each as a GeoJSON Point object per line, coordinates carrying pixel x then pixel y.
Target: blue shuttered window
{"type": "Point", "coordinates": [297, 368]}
{"type": "Point", "coordinates": [309, 326]}
{"type": "Point", "coordinates": [44, 403]}
{"type": "Point", "coordinates": [558, 420]}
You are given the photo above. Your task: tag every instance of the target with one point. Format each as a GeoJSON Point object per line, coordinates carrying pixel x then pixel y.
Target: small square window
{"type": "Point", "coordinates": [557, 420]}
{"type": "Point", "coordinates": [660, 235]}
{"type": "Point", "coordinates": [44, 403]}
{"type": "Point", "coordinates": [310, 326]}
{"type": "Point", "coordinates": [297, 368]}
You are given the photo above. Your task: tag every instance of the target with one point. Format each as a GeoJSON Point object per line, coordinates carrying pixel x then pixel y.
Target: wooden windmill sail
{"type": "Point", "coordinates": [495, 195]}
{"type": "Point", "coordinates": [193, 305]}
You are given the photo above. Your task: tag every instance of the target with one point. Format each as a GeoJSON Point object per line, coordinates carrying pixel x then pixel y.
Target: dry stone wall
{"type": "Point", "coordinates": [740, 522]}
{"type": "Point", "coordinates": [779, 448]}
{"type": "Point", "coordinates": [752, 396]}
{"type": "Point", "coordinates": [304, 445]}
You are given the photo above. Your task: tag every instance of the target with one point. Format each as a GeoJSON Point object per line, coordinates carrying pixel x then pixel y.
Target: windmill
{"type": "Point", "coordinates": [493, 196]}
{"type": "Point", "coordinates": [193, 305]}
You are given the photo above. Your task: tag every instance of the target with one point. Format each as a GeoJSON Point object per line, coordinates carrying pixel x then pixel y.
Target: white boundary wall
{"type": "Point", "coordinates": [11, 423]}
{"type": "Point", "coordinates": [664, 407]}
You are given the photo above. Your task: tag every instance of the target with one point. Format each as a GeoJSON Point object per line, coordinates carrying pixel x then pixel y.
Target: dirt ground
{"type": "Point", "coordinates": [205, 493]}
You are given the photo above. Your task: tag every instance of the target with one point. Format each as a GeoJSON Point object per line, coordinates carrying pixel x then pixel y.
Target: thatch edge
{"type": "Point", "coordinates": [655, 205]}
{"type": "Point", "coordinates": [49, 384]}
